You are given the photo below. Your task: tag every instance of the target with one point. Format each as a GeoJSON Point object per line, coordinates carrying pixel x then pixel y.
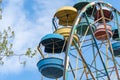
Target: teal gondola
{"type": "Point", "coordinates": [83, 25]}
{"type": "Point", "coordinates": [116, 48]}
{"type": "Point", "coordinates": [54, 43]}
{"type": "Point", "coordinates": [90, 11]}
{"type": "Point", "coordinates": [51, 67]}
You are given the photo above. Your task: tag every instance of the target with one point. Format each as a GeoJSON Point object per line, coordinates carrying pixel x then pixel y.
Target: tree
{"type": "Point", "coordinates": [6, 37]}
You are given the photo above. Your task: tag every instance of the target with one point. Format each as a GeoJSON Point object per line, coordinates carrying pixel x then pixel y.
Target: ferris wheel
{"type": "Point", "coordinates": [85, 43]}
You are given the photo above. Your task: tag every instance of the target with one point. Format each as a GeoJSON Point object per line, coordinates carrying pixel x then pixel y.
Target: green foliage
{"type": "Point", "coordinates": [6, 44]}
{"type": "Point", "coordinates": [30, 53]}
{"type": "Point", "coordinates": [6, 38]}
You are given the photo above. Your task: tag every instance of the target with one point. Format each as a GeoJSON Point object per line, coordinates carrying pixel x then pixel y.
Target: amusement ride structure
{"type": "Point", "coordinates": [85, 43]}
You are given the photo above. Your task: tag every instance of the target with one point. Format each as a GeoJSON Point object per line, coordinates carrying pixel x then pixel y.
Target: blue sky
{"type": "Point", "coordinates": [31, 20]}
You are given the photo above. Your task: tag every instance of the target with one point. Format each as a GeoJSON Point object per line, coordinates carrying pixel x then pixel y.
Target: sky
{"type": "Point", "coordinates": [31, 20]}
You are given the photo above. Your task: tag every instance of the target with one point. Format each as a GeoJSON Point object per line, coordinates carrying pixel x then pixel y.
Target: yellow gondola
{"type": "Point", "coordinates": [66, 33]}
{"type": "Point", "coordinates": [66, 15]}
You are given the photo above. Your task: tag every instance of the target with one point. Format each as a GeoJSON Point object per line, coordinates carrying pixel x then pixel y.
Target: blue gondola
{"type": "Point", "coordinates": [116, 35]}
{"type": "Point", "coordinates": [116, 48]}
{"type": "Point", "coordinates": [51, 67]}
{"type": "Point", "coordinates": [53, 43]}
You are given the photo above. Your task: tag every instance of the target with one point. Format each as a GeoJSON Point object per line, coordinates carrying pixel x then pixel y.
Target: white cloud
{"type": "Point", "coordinates": [14, 16]}
{"type": "Point", "coordinates": [28, 32]}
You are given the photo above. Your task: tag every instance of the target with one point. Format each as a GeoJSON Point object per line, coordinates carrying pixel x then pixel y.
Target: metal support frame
{"type": "Point", "coordinates": [112, 53]}
{"type": "Point", "coordinates": [78, 18]}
